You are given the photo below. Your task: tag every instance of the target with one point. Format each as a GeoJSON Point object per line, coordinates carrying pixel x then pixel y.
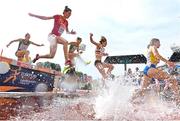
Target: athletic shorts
{"type": "Point", "coordinates": [20, 53]}
{"type": "Point", "coordinates": [145, 71]}
{"type": "Point", "coordinates": [52, 39]}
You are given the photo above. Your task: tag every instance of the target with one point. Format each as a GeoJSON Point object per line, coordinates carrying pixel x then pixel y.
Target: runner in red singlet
{"type": "Point", "coordinates": [60, 25]}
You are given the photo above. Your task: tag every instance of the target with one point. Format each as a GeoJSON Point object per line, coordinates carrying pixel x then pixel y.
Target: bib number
{"type": "Point", "coordinates": [61, 29]}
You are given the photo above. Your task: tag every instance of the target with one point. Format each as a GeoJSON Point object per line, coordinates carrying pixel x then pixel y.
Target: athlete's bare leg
{"type": "Point", "coordinates": [109, 66]}
{"type": "Point", "coordinates": [72, 55]}
{"type": "Point", "coordinates": [53, 49]}
{"type": "Point", "coordinates": [100, 68]}
{"type": "Point", "coordinates": [145, 83]}
{"type": "Point", "coordinates": [61, 40]}
{"type": "Point", "coordinates": [161, 75]}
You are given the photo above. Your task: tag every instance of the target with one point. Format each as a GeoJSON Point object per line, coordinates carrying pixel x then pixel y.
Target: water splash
{"type": "Point", "coordinates": [113, 99]}
{"type": "Point", "coordinates": [114, 104]}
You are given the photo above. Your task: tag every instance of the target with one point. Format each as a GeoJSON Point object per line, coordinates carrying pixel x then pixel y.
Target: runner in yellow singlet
{"type": "Point", "coordinates": [151, 72]}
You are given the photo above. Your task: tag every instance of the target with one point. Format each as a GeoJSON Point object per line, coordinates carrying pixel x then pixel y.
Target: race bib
{"type": "Point", "coordinates": [23, 47]}
{"type": "Point", "coordinates": [61, 28]}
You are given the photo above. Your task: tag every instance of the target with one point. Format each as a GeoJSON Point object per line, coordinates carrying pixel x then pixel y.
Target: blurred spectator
{"type": "Point", "coordinates": [129, 73]}
{"type": "Point", "coordinates": [137, 76]}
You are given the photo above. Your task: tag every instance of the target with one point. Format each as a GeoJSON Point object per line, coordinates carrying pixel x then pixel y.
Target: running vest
{"type": "Point", "coordinates": [60, 24]}
{"type": "Point", "coordinates": [151, 59]}
{"type": "Point", "coordinates": [23, 45]}
{"type": "Point", "coordinates": [101, 50]}
{"type": "Point", "coordinates": [72, 48]}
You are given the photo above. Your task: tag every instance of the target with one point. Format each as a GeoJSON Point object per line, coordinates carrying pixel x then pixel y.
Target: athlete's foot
{"type": "Point", "coordinates": [36, 58]}
{"type": "Point", "coordinates": [66, 68]}
{"type": "Point", "coordinates": [111, 76]}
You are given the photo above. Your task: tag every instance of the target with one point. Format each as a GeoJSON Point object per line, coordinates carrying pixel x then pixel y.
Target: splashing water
{"type": "Point", "coordinates": [61, 109]}
{"type": "Point", "coordinates": [113, 99]}
{"type": "Point", "coordinates": [112, 103]}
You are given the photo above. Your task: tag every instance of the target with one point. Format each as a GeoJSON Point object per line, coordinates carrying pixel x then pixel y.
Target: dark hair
{"type": "Point", "coordinates": [79, 38]}
{"type": "Point", "coordinates": [27, 34]}
{"type": "Point", "coordinates": [67, 9]}
{"type": "Point", "coordinates": [103, 39]}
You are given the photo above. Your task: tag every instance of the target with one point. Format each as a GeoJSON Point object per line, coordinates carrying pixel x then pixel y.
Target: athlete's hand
{"type": "Point", "coordinates": [170, 64]}
{"type": "Point", "coordinates": [30, 14]}
{"type": "Point", "coordinates": [73, 32]}
{"type": "Point", "coordinates": [7, 45]}
{"type": "Point", "coordinates": [104, 54]}
{"type": "Point", "coordinates": [91, 34]}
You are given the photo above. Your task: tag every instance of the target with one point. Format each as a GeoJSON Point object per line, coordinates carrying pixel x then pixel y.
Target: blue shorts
{"type": "Point", "coordinates": [145, 71]}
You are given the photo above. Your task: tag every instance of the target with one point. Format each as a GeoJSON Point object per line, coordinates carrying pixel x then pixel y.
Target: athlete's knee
{"type": "Point", "coordinates": [172, 80]}
{"type": "Point", "coordinates": [110, 67]}
{"type": "Point", "coordinates": [145, 82]}
{"type": "Point", "coordinates": [102, 71]}
{"type": "Point", "coordinates": [65, 42]}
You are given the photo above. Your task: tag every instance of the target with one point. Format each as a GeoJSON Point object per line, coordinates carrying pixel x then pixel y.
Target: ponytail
{"type": "Point", "coordinates": [67, 9]}
{"type": "Point", "coordinates": [103, 39]}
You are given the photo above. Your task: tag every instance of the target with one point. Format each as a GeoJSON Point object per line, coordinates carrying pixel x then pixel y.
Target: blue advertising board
{"type": "Point", "coordinates": [20, 79]}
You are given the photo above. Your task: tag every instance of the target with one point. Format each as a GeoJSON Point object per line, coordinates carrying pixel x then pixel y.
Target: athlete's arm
{"type": "Point", "coordinates": [17, 40]}
{"type": "Point", "coordinates": [40, 17]}
{"type": "Point", "coordinates": [75, 44]}
{"type": "Point", "coordinates": [92, 41]}
{"type": "Point", "coordinates": [156, 53]}
{"type": "Point", "coordinates": [70, 32]}
{"type": "Point", "coordinates": [105, 54]}
{"type": "Point", "coordinates": [72, 43]}
{"type": "Point", "coordinates": [37, 44]}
